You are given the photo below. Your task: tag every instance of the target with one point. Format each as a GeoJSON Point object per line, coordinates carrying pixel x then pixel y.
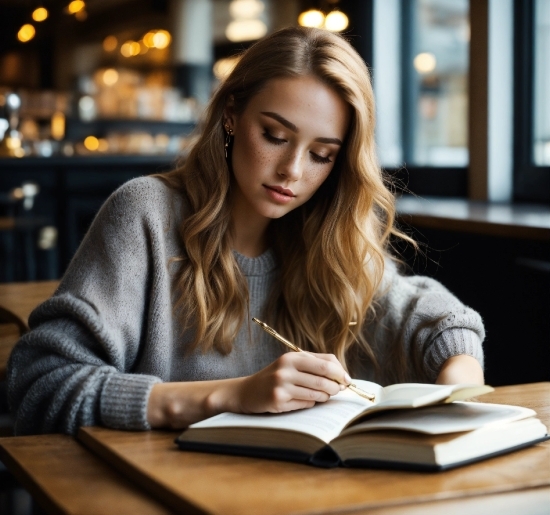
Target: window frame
{"type": "Point", "coordinates": [531, 182]}
{"type": "Point", "coordinates": [441, 181]}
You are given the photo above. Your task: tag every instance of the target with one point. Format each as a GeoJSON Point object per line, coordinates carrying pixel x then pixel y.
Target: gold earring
{"type": "Point", "coordinates": [228, 136]}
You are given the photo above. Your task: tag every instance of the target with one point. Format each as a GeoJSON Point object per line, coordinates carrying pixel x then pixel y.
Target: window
{"type": "Point", "coordinates": [435, 96]}
{"type": "Point", "coordinates": [420, 72]}
{"type": "Point", "coordinates": [532, 103]}
{"type": "Point", "coordinates": [541, 136]}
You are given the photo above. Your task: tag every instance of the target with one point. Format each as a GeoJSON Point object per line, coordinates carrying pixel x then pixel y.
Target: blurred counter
{"type": "Point", "coordinates": [496, 259]}
{"type": "Point", "coordinates": [525, 221]}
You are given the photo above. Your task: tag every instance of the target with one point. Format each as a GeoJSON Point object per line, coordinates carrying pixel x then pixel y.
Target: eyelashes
{"type": "Point", "coordinates": [278, 141]}
{"type": "Point", "coordinates": [273, 139]}
{"type": "Point", "coordinates": [319, 159]}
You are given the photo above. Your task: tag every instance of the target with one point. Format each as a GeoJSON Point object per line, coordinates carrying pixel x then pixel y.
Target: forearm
{"type": "Point", "coordinates": [293, 381]}
{"type": "Point", "coordinates": [180, 404]}
{"type": "Point", "coordinates": [461, 369]}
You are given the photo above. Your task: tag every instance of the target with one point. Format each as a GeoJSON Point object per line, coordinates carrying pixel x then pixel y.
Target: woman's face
{"type": "Point", "coordinates": [285, 145]}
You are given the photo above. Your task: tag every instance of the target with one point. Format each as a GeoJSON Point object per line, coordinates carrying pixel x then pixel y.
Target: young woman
{"type": "Point", "coordinates": [280, 212]}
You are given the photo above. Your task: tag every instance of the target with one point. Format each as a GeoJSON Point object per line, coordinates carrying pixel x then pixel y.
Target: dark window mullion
{"type": "Point", "coordinates": [531, 183]}
{"type": "Point", "coordinates": [409, 80]}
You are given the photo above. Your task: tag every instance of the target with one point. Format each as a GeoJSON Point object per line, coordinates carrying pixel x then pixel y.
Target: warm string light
{"type": "Point", "coordinates": [246, 24]}
{"type": "Point", "coordinates": [26, 33]}
{"type": "Point", "coordinates": [75, 6]}
{"type": "Point", "coordinates": [335, 21]}
{"type": "Point", "coordinates": [78, 9]}
{"type": "Point", "coordinates": [159, 39]}
{"type": "Point", "coordinates": [40, 14]}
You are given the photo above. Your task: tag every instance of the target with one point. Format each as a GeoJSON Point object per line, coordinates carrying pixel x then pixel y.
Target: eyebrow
{"type": "Point", "coordinates": [293, 128]}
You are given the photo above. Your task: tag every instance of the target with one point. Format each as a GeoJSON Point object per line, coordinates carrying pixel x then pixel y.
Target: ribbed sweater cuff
{"type": "Point", "coordinates": [124, 401]}
{"type": "Point", "coordinates": [452, 342]}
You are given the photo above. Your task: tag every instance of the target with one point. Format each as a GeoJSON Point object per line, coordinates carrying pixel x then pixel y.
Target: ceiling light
{"type": "Point", "coordinates": [311, 18]}
{"type": "Point", "coordinates": [336, 21]}
{"type": "Point", "coordinates": [245, 30]}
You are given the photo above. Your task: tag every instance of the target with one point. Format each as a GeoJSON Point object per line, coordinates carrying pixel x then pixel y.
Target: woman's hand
{"type": "Point", "coordinates": [296, 380]}
{"type": "Point", "coordinates": [461, 369]}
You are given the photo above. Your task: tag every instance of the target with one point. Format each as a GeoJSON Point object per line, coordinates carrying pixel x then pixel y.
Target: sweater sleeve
{"type": "Point", "coordinates": [418, 325]}
{"type": "Point", "coordinates": [77, 364]}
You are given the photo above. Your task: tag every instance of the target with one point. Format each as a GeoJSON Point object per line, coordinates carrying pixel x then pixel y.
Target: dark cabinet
{"type": "Point", "coordinates": [71, 192]}
{"type": "Point", "coordinates": [507, 280]}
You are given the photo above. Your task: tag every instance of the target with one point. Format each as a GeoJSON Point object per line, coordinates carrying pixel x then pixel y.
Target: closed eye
{"type": "Point", "coordinates": [320, 159]}
{"type": "Point", "coordinates": [273, 139]}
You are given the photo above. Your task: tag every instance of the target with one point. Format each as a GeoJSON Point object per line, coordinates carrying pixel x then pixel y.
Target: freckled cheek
{"type": "Point", "coordinates": [255, 150]}
{"type": "Point", "coordinates": [317, 175]}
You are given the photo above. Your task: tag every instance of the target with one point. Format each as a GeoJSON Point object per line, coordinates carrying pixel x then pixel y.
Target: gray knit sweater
{"type": "Point", "coordinates": [108, 334]}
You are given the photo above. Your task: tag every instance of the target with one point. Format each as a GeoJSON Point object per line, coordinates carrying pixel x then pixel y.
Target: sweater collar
{"type": "Point", "coordinates": [260, 265]}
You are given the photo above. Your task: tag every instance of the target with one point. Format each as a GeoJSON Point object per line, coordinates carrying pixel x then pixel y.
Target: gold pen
{"type": "Point", "coordinates": [290, 345]}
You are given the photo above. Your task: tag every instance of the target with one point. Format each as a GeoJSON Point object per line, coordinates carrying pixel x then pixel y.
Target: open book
{"type": "Point", "coordinates": [351, 431]}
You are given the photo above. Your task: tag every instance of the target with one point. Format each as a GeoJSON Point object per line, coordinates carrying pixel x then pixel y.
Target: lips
{"type": "Point", "coordinates": [282, 191]}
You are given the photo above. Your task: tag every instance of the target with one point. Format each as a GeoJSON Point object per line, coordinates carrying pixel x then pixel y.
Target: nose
{"type": "Point", "coordinates": [291, 167]}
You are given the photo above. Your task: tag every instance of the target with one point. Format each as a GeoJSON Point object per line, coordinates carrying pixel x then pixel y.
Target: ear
{"type": "Point", "coordinates": [229, 112]}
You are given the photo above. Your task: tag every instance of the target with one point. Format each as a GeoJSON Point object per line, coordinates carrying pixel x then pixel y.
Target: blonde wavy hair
{"type": "Point", "coordinates": [331, 270]}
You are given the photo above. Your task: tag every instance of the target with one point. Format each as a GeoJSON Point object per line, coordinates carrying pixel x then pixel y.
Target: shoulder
{"type": "Point", "coordinates": [395, 279]}
{"type": "Point", "coordinates": [399, 292]}
{"type": "Point", "coordinates": [144, 191]}
{"type": "Point", "coordinates": [142, 198]}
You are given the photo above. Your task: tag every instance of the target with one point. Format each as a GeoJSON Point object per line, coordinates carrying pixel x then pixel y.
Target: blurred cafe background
{"type": "Point", "coordinates": [96, 92]}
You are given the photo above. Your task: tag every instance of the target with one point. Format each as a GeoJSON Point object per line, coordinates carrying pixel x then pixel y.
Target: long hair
{"type": "Point", "coordinates": [332, 267]}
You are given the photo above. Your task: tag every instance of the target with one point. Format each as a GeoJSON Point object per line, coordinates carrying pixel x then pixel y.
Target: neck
{"type": "Point", "coordinates": [248, 227]}
{"type": "Point", "coordinates": [248, 233]}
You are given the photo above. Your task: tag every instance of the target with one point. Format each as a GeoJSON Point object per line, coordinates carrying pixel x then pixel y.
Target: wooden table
{"type": "Point", "coordinates": [63, 477]}
{"type": "Point", "coordinates": [128, 470]}
{"type": "Point", "coordinates": [187, 482]}
{"type": "Point", "coordinates": [216, 484]}
{"type": "Point", "coordinates": [17, 300]}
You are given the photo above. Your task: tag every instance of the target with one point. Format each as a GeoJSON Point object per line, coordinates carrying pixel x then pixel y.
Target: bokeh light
{"type": "Point", "coordinates": [425, 62]}
{"type": "Point", "coordinates": [161, 39]}
{"type": "Point", "coordinates": [91, 143]}
{"type": "Point", "coordinates": [110, 43]}
{"type": "Point", "coordinates": [245, 30]}
{"type": "Point", "coordinates": [130, 48]}
{"type": "Point", "coordinates": [40, 14]}
{"type": "Point", "coordinates": [336, 21]}
{"type": "Point", "coordinates": [311, 18]}
{"type": "Point", "coordinates": [246, 9]}
{"type": "Point", "coordinates": [110, 77]}
{"type": "Point", "coordinates": [26, 33]}
{"type": "Point", "coordinates": [76, 6]}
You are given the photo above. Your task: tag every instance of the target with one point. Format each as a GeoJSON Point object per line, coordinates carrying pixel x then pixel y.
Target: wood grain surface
{"type": "Point", "coordinates": [21, 298]}
{"type": "Point", "coordinates": [17, 300]}
{"type": "Point", "coordinates": [65, 478]}
{"type": "Point", "coordinates": [209, 483]}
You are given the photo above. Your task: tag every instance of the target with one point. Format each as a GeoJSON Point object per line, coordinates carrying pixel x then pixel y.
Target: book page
{"type": "Point", "coordinates": [411, 395]}
{"type": "Point", "coordinates": [444, 418]}
{"type": "Point", "coordinates": [324, 421]}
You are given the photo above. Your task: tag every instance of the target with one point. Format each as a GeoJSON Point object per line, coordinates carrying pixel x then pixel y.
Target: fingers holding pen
{"type": "Point", "coordinates": [296, 380]}
{"type": "Point", "coordinates": [321, 372]}
{"type": "Point", "coordinates": [339, 373]}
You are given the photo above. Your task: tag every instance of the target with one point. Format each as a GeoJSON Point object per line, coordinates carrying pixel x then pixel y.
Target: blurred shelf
{"type": "Point", "coordinates": [89, 160]}
{"type": "Point", "coordinates": [78, 129]}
